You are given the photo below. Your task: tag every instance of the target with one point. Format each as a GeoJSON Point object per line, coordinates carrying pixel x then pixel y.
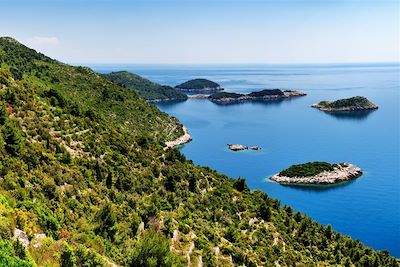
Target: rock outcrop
{"type": "Point", "coordinates": [340, 173]}
{"type": "Point", "coordinates": [22, 237]}
{"type": "Point", "coordinates": [237, 147]}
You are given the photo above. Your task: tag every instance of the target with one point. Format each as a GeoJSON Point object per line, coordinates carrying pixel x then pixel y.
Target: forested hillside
{"type": "Point", "coordinates": [148, 89]}
{"type": "Point", "coordinates": [85, 181]}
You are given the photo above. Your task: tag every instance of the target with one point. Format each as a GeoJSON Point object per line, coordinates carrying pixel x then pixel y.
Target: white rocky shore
{"type": "Point", "coordinates": [341, 173]}
{"type": "Point", "coordinates": [183, 139]}
{"type": "Point", "coordinates": [237, 147]}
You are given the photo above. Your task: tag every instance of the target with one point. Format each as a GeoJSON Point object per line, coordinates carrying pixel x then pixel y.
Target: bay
{"type": "Point", "coordinates": [292, 132]}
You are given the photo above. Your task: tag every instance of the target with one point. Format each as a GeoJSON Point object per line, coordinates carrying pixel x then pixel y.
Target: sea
{"type": "Point", "coordinates": [291, 132]}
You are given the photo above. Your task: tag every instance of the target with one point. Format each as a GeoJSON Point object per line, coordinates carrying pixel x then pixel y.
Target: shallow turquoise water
{"type": "Point", "coordinates": [291, 132]}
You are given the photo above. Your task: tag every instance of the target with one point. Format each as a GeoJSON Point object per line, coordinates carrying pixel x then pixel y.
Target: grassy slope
{"type": "Point", "coordinates": [144, 87]}
{"type": "Point", "coordinates": [72, 167]}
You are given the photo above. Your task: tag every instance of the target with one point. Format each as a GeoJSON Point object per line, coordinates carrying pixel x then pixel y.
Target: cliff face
{"type": "Point", "coordinates": [348, 104]}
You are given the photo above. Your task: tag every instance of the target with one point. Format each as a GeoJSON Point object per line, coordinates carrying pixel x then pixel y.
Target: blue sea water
{"type": "Point", "coordinates": [291, 132]}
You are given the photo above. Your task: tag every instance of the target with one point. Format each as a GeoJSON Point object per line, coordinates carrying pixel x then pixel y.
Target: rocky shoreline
{"type": "Point", "coordinates": [237, 147]}
{"type": "Point", "coordinates": [204, 90]}
{"type": "Point", "coordinates": [341, 173]}
{"type": "Point", "coordinates": [183, 139]}
{"type": "Point", "coordinates": [165, 100]}
{"type": "Point", "coordinates": [198, 96]}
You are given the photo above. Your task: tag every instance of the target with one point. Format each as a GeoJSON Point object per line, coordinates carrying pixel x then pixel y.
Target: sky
{"type": "Point", "coordinates": [206, 31]}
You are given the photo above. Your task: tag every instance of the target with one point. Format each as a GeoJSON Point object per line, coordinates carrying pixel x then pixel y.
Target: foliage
{"type": "Point", "coordinates": [154, 208]}
{"type": "Point", "coordinates": [357, 101]}
{"type": "Point", "coordinates": [10, 255]}
{"type": "Point", "coordinates": [67, 257]}
{"type": "Point", "coordinates": [266, 92]}
{"type": "Point", "coordinates": [144, 87]}
{"type": "Point", "coordinates": [307, 169]}
{"type": "Point", "coordinates": [221, 95]}
{"type": "Point", "coordinates": [259, 94]}
{"type": "Point", "coordinates": [198, 84]}
{"type": "Point", "coordinates": [151, 250]}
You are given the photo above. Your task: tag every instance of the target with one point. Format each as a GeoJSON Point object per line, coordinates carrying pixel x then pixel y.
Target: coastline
{"type": "Point", "coordinates": [183, 139]}
{"type": "Point", "coordinates": [165, 100]}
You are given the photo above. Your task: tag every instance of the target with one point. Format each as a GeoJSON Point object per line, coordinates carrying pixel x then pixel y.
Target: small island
{"type": "Point", "coordinates": [317, 173]}
{"type": "Point", "coordinates": [264, 95]}
{"type": "Point", "coordinates": [237, 147]}
{"type": "Point", "coordinates": [199, 85]}
{"type": "Point", "coordinates": [356, 103]}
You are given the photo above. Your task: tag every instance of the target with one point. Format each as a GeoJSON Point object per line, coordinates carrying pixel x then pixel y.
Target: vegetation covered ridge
{"type": "Point", "coordinates": [85, 181]}
{"type": "Point", "coordinates": [347, 104]}
{"type": "Point", "coordinates": [144, 87]}
{"type": "Point", "coordinates": [263, 95]}
{"type": "Point", "coordinates": [308, 169]}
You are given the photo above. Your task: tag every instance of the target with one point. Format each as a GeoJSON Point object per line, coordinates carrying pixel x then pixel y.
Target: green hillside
{"type": "Point", "coordinates": [84, 174]}
{"type": "Point", "coordinates": [144, 87]}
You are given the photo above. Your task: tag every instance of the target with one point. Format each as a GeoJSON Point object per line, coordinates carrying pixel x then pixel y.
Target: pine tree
{"type": "Point", "coordinates": [67, 257]}
{"type": "Point", "coordinates": [13, 138]}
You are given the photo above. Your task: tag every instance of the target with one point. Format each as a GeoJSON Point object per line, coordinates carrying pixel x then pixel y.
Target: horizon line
{"type": "Point", "coordinates": [237, 63]}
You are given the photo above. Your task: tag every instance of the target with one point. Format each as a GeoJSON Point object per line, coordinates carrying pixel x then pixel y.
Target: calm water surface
{"type": "Point", "coordinates": [291, 132]}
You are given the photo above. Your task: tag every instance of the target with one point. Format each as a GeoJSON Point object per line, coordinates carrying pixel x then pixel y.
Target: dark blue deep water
{"type": "Point", "coordinates": [291, 132]}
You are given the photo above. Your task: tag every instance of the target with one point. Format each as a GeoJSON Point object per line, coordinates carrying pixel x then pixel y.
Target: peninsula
{"type": "Point", "coordinates": [356, 103]}
{"type": "Point", "coordinates": [181, 140]}
{"type": "Point", "coordinates": [264, 95]}
{"type": "Point", "coordinates": [151, 91]}
{"type": "Point", "coordinates": [317, 173]}
{"type": "Point", "coordinates": [199, 85]}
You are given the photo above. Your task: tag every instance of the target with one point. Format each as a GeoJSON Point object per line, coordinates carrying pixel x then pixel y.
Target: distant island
{"type": "Point", "coordinates": [317, 173]}
{"type": "Point", "coordinates": [264, 95]}
{"type": "Point", "coordinates": [151, 91]}
{"type": "Point", "coordinates": [199, 85]}
{"type": "Point", "coordinates": [237, 147]}
{"type": "Point", "coordinates": [356, 103]}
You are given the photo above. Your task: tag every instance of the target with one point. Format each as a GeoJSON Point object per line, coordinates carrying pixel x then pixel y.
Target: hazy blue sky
{"type": "Point", "coordinates": [202, 31]}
